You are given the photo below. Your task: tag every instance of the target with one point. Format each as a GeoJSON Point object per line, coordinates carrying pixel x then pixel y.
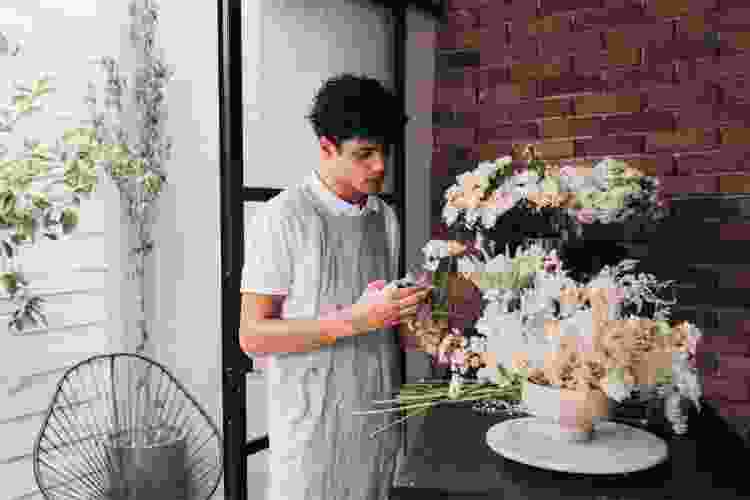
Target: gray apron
{"type": "Point", "coordinates": [318, 449]}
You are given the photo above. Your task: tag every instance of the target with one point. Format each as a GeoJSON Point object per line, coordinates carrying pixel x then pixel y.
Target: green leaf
{"type": "Point", "coordinates": [9, 281]}
{"type": "Point", "coordinates": [69, 219]}
{"type": "Point", "coordinates": [663, 329]}
{"type": "Point", "coordinates": [551, 185]}
{"type": "Point", "coordinates": [663, 375]}
{"type": "Point", "coordinates": [22, 103]}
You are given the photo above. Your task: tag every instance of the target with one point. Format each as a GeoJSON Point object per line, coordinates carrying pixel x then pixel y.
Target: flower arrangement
{"type": "Point", "coordinates": [610, 191]}
{"type": "Point", "coordinates": [611, 333]}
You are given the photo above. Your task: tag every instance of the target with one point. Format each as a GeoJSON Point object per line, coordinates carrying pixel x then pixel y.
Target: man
{"type": "Point", "coordinates": [311, 253]}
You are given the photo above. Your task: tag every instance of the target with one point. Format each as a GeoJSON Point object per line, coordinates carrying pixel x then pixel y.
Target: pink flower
{"type": "Point", "coordinates": [552, 263]}
{"type": "Point", "coordinates": [458, 358]}
{"type": "Point", "coordinates": [616, 295]}
{"type": "Point", "coordinates": [503, 200]}
{"type": "Point", "coordinates": [585, 216]}
{"type": "Point", "coordinates": [568, 170]}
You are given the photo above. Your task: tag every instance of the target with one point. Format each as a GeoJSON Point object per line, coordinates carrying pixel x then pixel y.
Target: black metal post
{"type": "Point", "coordinates": [234, 361]}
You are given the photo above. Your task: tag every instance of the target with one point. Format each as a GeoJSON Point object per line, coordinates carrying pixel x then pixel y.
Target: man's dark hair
{"type": "Point", "coordinates": [348, 107]}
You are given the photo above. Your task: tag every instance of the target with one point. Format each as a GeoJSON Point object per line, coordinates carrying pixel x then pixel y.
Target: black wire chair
{"type": "Point", "coordinates": [121, 427]}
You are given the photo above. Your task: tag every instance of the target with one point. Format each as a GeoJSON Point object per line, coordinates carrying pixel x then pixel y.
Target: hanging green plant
{"type": "Point", "coordinates": [41, 191]}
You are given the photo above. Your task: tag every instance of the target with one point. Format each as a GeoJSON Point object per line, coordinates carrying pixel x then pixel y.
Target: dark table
{"type": "Point", "coordinates": [447, 457]}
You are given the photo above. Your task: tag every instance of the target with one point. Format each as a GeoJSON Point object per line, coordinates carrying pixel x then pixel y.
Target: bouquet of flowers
{"type": "Point", "coordinates": [538, 325]}
{"type": "Point", "coordinates": [610, 191]}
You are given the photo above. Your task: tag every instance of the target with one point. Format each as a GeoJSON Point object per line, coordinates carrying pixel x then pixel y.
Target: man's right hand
{"type": "Point", "coordinates": [386, 308]}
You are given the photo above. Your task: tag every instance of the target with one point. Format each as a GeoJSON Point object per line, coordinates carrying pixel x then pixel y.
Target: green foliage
{"type": "Point", "coordinates": [31, 204]}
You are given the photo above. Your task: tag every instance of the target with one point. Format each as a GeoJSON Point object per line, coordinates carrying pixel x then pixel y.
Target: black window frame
{"type": "Point", "coordinates": [234, 195]}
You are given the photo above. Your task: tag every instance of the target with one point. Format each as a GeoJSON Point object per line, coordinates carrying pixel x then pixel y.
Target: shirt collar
{"type": "Point", "coordinates": [336, 204]}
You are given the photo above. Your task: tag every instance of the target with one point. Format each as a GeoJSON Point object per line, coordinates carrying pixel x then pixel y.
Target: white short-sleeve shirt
{"type": "Point", "coordinates": [269, 257]}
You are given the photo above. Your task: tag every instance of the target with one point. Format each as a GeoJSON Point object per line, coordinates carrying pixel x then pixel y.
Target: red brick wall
{"type": "Point", "coordinates": [654, 82]}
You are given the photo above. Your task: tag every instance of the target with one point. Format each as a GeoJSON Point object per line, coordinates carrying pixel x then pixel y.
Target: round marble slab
{"type": "Point", "coordinates": [615, 449]}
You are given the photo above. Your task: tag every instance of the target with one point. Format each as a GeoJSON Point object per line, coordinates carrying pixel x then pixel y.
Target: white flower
{"type": "Point", "coordinates": [471, 215]}
{"type": "Point", "coordinates": [489, 217]}
{"type": "Point", "coordinates": [486, 169]}
{"type": "Point", "coordinates": [499, 264]}
{"type": "Point", "coordinates": [469, 265]}
{"type": "Point", "coordinates": [450, 215]}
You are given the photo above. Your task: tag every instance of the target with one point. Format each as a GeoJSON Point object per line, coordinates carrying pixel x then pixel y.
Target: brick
{"type": "Point", "coordinates": [738, 40]}
{"type": "Point", "coordinates": [489, 77]}
{"type": "Point", "coordinates": [526, 71]}
{"type": "Point", "coordinates": [454, 136]}
{"type": "Point", "coordinates": [734, 184]}
{"type": "Point", "coordinates": [556, 6]}
{"type": "Point", "coordinates": [646, 121]}
{"type": "Point", "coordinates": [505, 93]}
{"type": "Point", "coordinates": [549, 24]}
{"type": "Point", "coordinates": [611, 16]}
{"type": "Point", "coordinates": [677, 8]}
{"type": "Point", "coordinates": [608, 103]}
{"type": "Point", "coordinates": [554, 150]}
{"type": "Point", "coordinates": [698, 116]}
{"type": "Point", "coordinates": [734, 232]}
{"type": "Point", "coordinates": [734, 136]}
{"type": "Point", "coordinates": [495, 13]}
{"type": "Point", "coordinates": [677, 185]}
{"type": "Point", "coordinates": [491, 151]}
{"type": "Point", "coordinates": [629, 78]}
{"type": "Point", "coordinates": [639, 35]}
{"type": "Point", "coordinates": [733, 409]}
{"type": "Point", "coordinates": [527, 111]}
{"type": "Point", "coordinates": [653, 165]}
{"type": "Point", "coordinates": [610, 146]}
{"type": "Point", "coordinates": [590, 62]}
{"type": "Point", "coordinates": [523, 48]}
{"type": "Point", "coordinates": [461, 19]}
{"type": "Point", "coordinates": [571, 127]}
{"type": "Point", "coordinates": [678, 49]}
{"type": "Point", "coordinates": [624, 56]}
{"type": "Point", "coordinates": [681, 139]}
{"type": "Point", "coordinates": [459, 40]}
{"type": "Point", "coordinates": [734, 19]}
{"type": "Point", "coordinates": [464, 4]}
{"type": "Point", "coordinates": [681, 95]}
{"type": "Point", "coordinates": [733, 115]}
{"type": "Point", "coordinates": [727, 159]}
{"type": "Point", "coordinates": [710, 68]}
{"type": "Point", "coordinates": [562, 44]}
{"type": "Point", "coordinates": [729, 342]}
{"type": "Point", "coordinates": [456, 88]}
{"type": "Point", "coordinates": [735, 90]}
{"type": "Point", "coordinates": [570, 84]}
{"type": "Point", "coordinates": [494, 49]}
{"type": "Point", "coordinates": [525, 132]}
{"type": "Point", "coordinates": [730, 389]}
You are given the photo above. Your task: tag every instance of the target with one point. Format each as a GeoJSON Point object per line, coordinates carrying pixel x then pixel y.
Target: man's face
{"type": "Point", "coordinates": [357, 171]}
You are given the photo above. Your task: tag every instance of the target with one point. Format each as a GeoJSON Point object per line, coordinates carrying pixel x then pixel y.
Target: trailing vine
{"type": "Point", "coordinates": [40, 191]}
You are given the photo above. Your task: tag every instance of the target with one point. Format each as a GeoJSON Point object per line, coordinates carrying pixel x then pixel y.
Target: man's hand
{"type": "Point", "coordinates": [385, 308]}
